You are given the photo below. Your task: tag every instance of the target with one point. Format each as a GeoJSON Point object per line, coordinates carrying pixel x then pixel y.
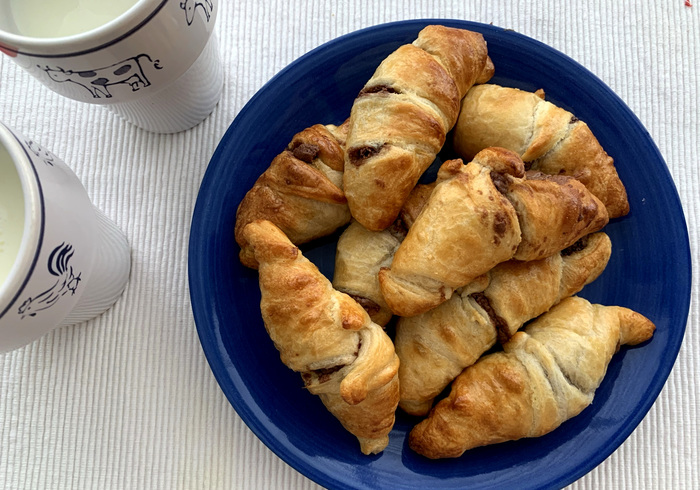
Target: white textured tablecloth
{"type": "Point", "coordinates": [127, 401]}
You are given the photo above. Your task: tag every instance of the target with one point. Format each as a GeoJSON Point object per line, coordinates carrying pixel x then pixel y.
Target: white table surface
{"type": "Point", "coordinates": [127, 401]}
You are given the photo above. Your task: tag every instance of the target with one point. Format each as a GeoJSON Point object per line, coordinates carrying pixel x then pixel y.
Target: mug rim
{"type": "Point", "coordinates": [33, 231]}
{"type": "Point", "coordinates": [86, 42]}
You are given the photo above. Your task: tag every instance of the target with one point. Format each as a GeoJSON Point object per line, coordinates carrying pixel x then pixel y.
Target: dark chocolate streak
{"type": "Point", "coordinates": [325, 374]}
{"type": "Point", "coordinates": [370, 306]}
{"type": "Point", "coordinates": [378, 89]}
{"type": "Point", "coordinates": [580, 244]}
{"type": "Point", "coordinates": [500, 182]}
{"type": "Point", "coordinates": [358, 155]}
{"type": "Point", "coordinates": [498, 322]}
{"type": "Point", "coordinates": [305, 152]}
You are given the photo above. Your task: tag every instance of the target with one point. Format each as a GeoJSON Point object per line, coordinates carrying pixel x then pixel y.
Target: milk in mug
{"type": "Point", "coordinates": [11, 214]}
{"type": "Point", "coordinates": [60, 18]}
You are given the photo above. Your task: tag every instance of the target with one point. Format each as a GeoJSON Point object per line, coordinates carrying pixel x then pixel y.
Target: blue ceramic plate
{"type": "Point", "coordinates": [650, 272]}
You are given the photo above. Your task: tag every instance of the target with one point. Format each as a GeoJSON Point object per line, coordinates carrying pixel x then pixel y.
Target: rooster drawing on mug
{"type": "Point", "coordinates": [67, 282]}
{"type": "Point", "coordinates": [190, 6]}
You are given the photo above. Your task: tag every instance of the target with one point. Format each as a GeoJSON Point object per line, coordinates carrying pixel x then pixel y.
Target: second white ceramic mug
{"type": "Point", "coordinates": [157, 64]}
{"type": "Point", "coordinates": [62, 261]}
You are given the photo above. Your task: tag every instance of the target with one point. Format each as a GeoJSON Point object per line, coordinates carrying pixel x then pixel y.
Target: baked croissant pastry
{"type": "Point", "coordinates": [549, 138]}
{"type": "Point", "coordinates": [415, 203]}
{"type": "Point", "coordinates": [436, 346]}
{"type": "Point", "coordinates": [466, 228]}
{"type": "Point", "coordinates": [545, 375]}
{"type": "Point", "coordinates": [554, 212]}
{"type": "Point", "coordinates": [520, 291]}
{"type": "Point", "coordinates": [301, 191]}
{"type": "Point", "coordinates": [400, 119]}
{"type": "Point", "coordinates": [359, 255]}
{"type": "Point", "coordinates": [343, 357]}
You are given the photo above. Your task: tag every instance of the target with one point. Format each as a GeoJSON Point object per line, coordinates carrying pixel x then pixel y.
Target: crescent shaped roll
{"type": "Point", "coordinates": [466, 228]}
{"type": "Point", "coordinates": [301, 191]}
{"type": "Point", "coordinates": [343, 357]}
{"type": "Point", "coordinates": [400, 119]}
{"type": "Point", "coordinates": [549, 138]}
{"type": "Point", "coordinates": [436, 346]}
{"type": "Point", "coordinates": [359, 256]}
{"type": "Point", "coordinates": [545, 375]}
{"type": "Point", "coordinates": [554, 212]}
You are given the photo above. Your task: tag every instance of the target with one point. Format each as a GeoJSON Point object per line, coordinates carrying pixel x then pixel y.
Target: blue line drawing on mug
{"type": "Point", "coordinates": [67, 282]}
{"type": "Point", "coordinates": [45, 155]}
{"type": "Point", "coordinates": [128, 72]}
{"type": "Point", "coordinates": [190, 6]}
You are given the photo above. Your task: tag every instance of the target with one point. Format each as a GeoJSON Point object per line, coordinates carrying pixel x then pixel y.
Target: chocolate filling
{"type": "Point", "coordinates": [573, 120]}
{"type": "Point", "coordinates": [324, 374]}
{"type": "Point", "coordinates": [358, 155]}
{"type": "Point", "coordinates": [378, 89]}
{"type": "Point", "coordinates": [500, 182]}
{"type": "Point", "coordinates": [370, 306]}
{"type": "Point", "coordinates": [305, 152]}
{"type": "Point", "coordinates": [580, 244]}
{"type": "Point", "coordinates": [498, 322]}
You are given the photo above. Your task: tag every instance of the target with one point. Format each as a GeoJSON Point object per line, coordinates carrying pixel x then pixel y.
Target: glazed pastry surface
{"type": "Point", "coordinates": [549, 138]}
{"type": "Point", "coordinates": [466, 228]}
{"type": "Point", "coordinates": [326, 336]}
{"type": "Point", "coordinates": [436, 346]}
{"type": "Point", "coordinates": [301, 191]}
{"type": "Point", "coordinates": [400, 119]}
{"type": "Point", "coordinates": [545, 375]}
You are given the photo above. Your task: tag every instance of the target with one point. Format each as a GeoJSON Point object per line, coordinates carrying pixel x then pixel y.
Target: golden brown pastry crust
{"type": "Point", "coordinates": [400, 119]}
{"type": "Point", "coordinates": [520, 291]}
{"type": "Point", "coordinates": [360, 254]}
{"type": "Point", "coordinates": [301, 190]}
{"type": "Point", "coordinates": [436, 346]}
{"type": "Point", "coordinates": [415, 203]}
{"type": "Point", "coordinates": [554, 212]}
{"type": "Point", "coordinates": [546, 374]}
{"type": "Point", "coordinates": [549, 138]}
{"type": "Point", "coordinates": [465, 229]}
{"type": "Point", "coordinates": [343, 356]}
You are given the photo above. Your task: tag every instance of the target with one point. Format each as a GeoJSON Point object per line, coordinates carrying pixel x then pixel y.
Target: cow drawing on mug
{"type": "Point", "coordinates": [67, 282]}
{"type": "Point", "coordinates": [190, 6]}
{"type": "Point", "coordinates": [97, 82]}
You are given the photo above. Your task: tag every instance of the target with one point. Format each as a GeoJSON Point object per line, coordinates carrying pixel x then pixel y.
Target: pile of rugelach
{"type": "Point", "coordinates": [478, 270]}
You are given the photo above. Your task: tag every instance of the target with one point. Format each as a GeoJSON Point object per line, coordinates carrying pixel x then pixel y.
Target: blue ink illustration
{"type": "Point", "coordinates": [190, 6]}
{"type": "Point", "coordinates": [97, 82]}
{"type": "Point", "coordinates": [45, 155]}
{"type": "Point", "coordinates": [67, 282]}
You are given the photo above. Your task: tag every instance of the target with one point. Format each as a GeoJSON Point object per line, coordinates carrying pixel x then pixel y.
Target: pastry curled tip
{"type": "Point", "coordinates": [406, 298]}
{"type": "Point", "coordinates": [277, 245]}
{"type": "Point", "coordinates": [501, 160]}
{"type": "Point", "coordinates": [635, 328]}
{"type": "Point", "coordinates": [498, 160]}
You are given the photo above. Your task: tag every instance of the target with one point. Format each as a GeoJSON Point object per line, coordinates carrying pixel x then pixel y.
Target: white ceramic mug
{"type": "Point", "coordinates": [154, 62]}
{"type": "Point", "coordinates": [62, 261]}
